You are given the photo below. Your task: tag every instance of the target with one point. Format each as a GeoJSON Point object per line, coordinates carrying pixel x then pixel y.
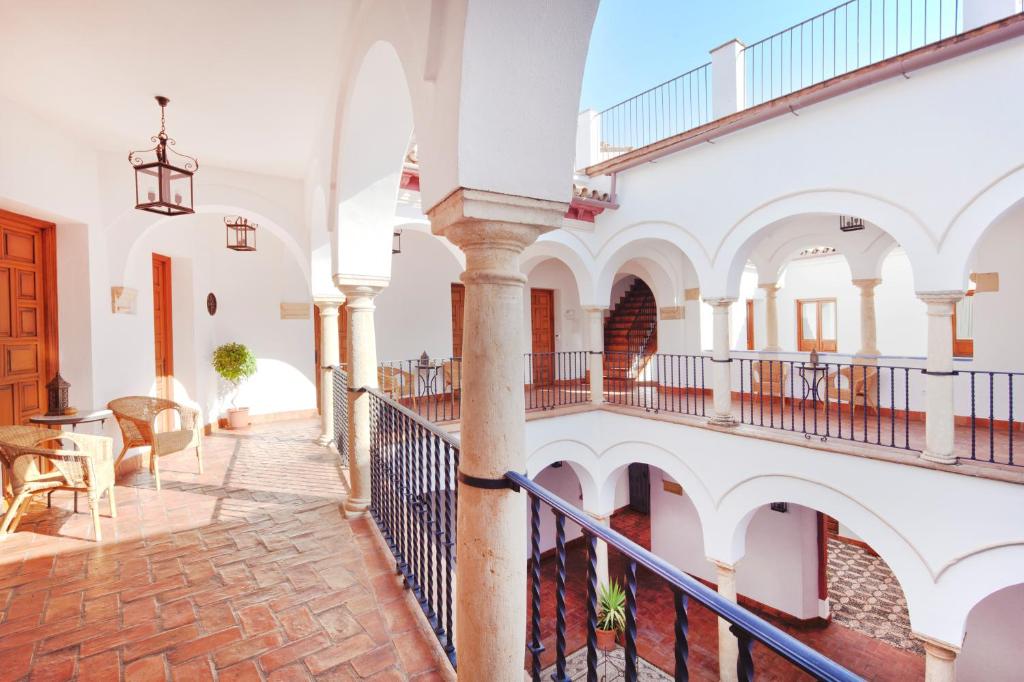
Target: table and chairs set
{"type": "Point", "coordinates": [39, 458]}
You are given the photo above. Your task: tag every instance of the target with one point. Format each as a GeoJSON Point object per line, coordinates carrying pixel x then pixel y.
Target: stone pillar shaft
{"type": "Point", "coordinates": [492, 230]}
{"type": "Point", "coordinates": [771, 315]}
{"type": "Point", "coordinates": [602, 551]}
{"type": "Point", "coordinates": [329, 357]}
{"type": "Point", "coordinates": [362, 355]}
{"type": "Point", "coordinates": [728, 646]}
{"type": "Point", "coordinates": [721, 372]}
{"type": "Point", "coordinates": [595, 341]}
{"type": "Point", "coordinates": [868, 326]}
{"type": "Point", "coordinates": [939, 661]}
{"type": "Point", "coordinates": [939, 380]}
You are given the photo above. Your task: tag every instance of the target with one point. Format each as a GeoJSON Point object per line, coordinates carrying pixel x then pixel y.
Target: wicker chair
{"type": "Point", "coordinates": [88, 467]}
{"type": "Point", "coordinates": [136, 415]}
{"type": "Point", "coordinates": [397, 384]}
{"type": "Point", "coordinates": [768, 379]}
{"type": "Point", "coordinates": [452, 371]}
{"type": "Point", "coordinates": [861, 391]}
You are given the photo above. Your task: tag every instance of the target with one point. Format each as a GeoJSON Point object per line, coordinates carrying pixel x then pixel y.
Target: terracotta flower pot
{"type": "Point", "coordinates": [606, 640]}
{"type": "Point", "coordinates": [238, 417]}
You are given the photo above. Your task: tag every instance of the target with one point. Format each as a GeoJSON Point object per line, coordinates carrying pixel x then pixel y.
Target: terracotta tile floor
{"type": "Point", "coordinates": [864, 655]}
{"type": "Point", "coordinates": [248, 572]}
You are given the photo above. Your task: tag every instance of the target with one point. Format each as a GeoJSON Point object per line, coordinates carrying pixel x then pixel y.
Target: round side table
{"type": "Point", "coordinates": [72, 420]}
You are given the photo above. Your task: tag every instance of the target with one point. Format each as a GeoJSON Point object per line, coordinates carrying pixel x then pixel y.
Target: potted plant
{"type": "Point", "coordinates": [235, 363]}
{"type": "Point", "coordinates": [611, 614]}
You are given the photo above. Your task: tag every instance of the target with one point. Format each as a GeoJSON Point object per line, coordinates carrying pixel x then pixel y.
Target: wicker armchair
{"type": "Point", "coordinates": [452, 370]}
{"type": "Point", "coordinates": [88, 467]}
{"type": "Point", "coordinates": [397, 384]}
{"type": "Point", "coordinates": [861, 390]}
{"type": "Point", "coordinates": [768, 379]}
{"type": "Point", "coordinates": [136, 415]}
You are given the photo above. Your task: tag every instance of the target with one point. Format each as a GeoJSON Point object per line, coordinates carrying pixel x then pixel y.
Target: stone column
{"type": "Point", "coordinates": [329, 357]}
{"type": "Point", "coordinates": [362, 371]}
{"type": "Point", "coordinates": [602, 551]}
{"type": "Point", "coordinates": [771, 315]}
{"type": "Point", "coordinates": [939, 660]}
{"type": "Point", "coordinates": [868, 327]}
{"type": "Point", "coordinates": [728, 646]}
{"type": "Point", "coordinates": [595, 343]}
{"type": "Point", "coordinates": [492, 230]}
{"type": "Point", "coordinates": [721, 366]}
{"type": "Point", "coordinates": [938, 443]}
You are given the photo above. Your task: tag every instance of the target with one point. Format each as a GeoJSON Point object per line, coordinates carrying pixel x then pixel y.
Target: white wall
{"type": "Point", "coordinates": [570, 323]}
{"type": "Point", "coordinates": [994, 638]}
{"type": "Point", "coordinates": [562, 482]}
{"type": "Point", "coordinates": [676, 532]}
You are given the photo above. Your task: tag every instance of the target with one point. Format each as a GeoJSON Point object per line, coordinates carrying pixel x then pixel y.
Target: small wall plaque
{"type": "Point", "coordinates": [671, 487]}
{"type": "Point", "coordinates": [123, 300]}
{"type": "Point", "coordinates": [986, 282]}
{"type": "Point", "coordinates": [673, 313]}
{"type": "Point", "coordinates": [294, 311]}
{"type": "Point", "coordinates": [211, 303]}
{"type": "Point", "coordinates": [691, 294]}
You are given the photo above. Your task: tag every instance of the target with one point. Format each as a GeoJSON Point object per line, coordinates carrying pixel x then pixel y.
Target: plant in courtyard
{"type": "Point", "coordinates": [235, 363]}
{"type": "Point", "coordinates": [611, 614]}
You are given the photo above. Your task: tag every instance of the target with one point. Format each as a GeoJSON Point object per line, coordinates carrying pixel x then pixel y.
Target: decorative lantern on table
{"type": "Point", "coordinates": [57, 396]}
{"type": "Point", "coordinates": [424, 359]}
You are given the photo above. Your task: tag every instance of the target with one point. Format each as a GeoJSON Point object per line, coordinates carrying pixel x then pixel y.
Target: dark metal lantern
{"type": "Point", "coordinates": [396, 242]}
{"type": "Point", "coordinates": [56, 396]}
{"type": "Point", "coordinates": [849, 223]}
{"type": "Point", "coordinates": [163, 177]}
{"type": "Point", "coordinates": [240, 233]}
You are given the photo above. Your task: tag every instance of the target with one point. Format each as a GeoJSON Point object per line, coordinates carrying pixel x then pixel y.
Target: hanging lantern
{"type": "Point", "coordinates": [396, 242]}
{"type": "Point", "coordinates": [849, 223]}
{"type": "Point", "coordinates": [241, 234]}
{"type": "Point", "coordinates": [163, 177]}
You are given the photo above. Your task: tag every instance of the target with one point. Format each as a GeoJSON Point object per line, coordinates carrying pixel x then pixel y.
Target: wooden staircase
{"type": "Point", "coordinates": [630, 333]}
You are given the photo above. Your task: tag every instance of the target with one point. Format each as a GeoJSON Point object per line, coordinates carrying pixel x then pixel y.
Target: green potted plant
{"type": "Point", "coordinates": [611, 614]}
{"type": "Point", "coordinates": [235, 363]}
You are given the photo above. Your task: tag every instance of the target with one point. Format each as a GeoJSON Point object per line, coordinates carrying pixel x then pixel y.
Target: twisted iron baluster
{"type": "Point", "coordinates": [681, 632]}
{"type": "Point", "coordinates": [745, 660]}
{"type": "Point", "coordinates": [535, 647]}
{"type": "Point", "coordinates": [560, 675]}
{"type": "Point", "coordinates": [591, 608]}
{"type": "Point", "coordinates": [631, 663]}
{"type": "Point", "coordinates": [449, 542]}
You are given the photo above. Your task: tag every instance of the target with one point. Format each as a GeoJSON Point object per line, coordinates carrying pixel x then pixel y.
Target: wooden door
{"type": "Point", "coordinates": [342, 344]}
{"type": "Point", "coordinates": [750, 324]}
{"type": "Point", "coordinates": [163, 327]}
{"type": "Point", "coordinates": [458, 309]}
{"type": "Point", "coordinates": [640, 488]}
{"type": "Point", "coordinates": [542, 306]}
{"type": "Point", "coordinates": [28, 316]}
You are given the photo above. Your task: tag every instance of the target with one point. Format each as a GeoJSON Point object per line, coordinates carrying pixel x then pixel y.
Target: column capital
{"type": "Point", "coordinates": [719, 302]}
{"type": "Point", "coordinates": [722, 566]}
{"type": "Point", "coordinates": [770, 288]}
{"type": "Point", "coordinates": [603, 519]}
{"type": "Point", "coordinates": [328, 306]}
{"type": "Point", "coordinates": [471, 216]}
{"type": "Point", "coordinates": [937, 648]}
{"type": "Point", "coordinates": [866, 285]}
{"type": "Point", "coordinates": [359, 285]}
{"type": "Point", "coordinates": [940, 298]}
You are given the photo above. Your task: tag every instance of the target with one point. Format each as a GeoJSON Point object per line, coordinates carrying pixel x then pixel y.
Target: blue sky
{"type": "Point", "coordinates": [637, 44]}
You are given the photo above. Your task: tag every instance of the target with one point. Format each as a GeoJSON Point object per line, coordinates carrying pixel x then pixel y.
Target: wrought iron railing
{"type": "Point", "coordinates": [556, 379]}
{"type": "Point", "coordinates": [992, 421]}
{"type": "Point", "coordinates": [675, 106]}
{"type": "Point", "coordinates": [340, 399]}
{"type": "Point", "coordinates": [748, 628]}
{"type": "Point", "coordinates": [667, 383]}
{"type": "Point", "coordinates": [845, 38]}
{"type": "Point", "coordinates": [413, 499]}
{"type": "Point", "coordinates": [873, 404]}
{"type": "Point", "coordinates": [431, 387]}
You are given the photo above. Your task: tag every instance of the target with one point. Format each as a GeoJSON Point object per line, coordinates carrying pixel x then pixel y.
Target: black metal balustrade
{"type": "Point", "coordinates": [413, 501]}
{"type": "Point", "coordinates": [431, 387]}
{"type": "Point", "coordinates": [556, 379]}
{"type": "Point", "coordinates": [664, 382]}
{"type": "Point", "coordinates": [992, 420]}
{"type": "Point", "coordinates": [340, 395]}
{"type": "Point", "coordinates": [870, 404]}
{"type": "Point", "coordinates": [748, 628]}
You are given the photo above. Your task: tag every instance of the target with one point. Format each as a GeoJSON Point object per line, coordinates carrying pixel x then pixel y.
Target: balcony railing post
{"type": "Point", "coordinates": [727, 79]}
{"type": "Point", "coordinates": [330, 357]}
{"type": "Point", "coordinates": [492, 230]}
{"type": "Point", "coordinates": [362, 357]}
{"type": "Point", "coordinates": [728, 647]}
{"type": "Point", "coordinates": [595, 339]}
{"type": "Point", "coordinates": [939, 418]}
{"type": "Point", "coordinates": [720, 360]}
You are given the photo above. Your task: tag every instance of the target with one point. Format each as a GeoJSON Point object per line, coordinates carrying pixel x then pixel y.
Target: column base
{"type": "Point", "coordinates": [938, 459]}
{"type": "Point", "coordinates": [356, 508]}
{"type": "Point", "coordinates": [323, 440]}
{"type": "Point", "coordinates": [723, 420]}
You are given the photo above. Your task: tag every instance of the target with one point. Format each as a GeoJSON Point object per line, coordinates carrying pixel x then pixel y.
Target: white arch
{"type": "Point", "coordinates": [691, 248]}
{"type": "Point", "coordinates": [557, 249]}
{"type": "Point", "coordinates": [580, 457]}
{"type": "Point", "coordinates": [903, 225]}
{"type": "Point", "coordinates": [960, 240]}
{"type": "Point", "coordinates": [668, 268]}
{"type": "Point", "coordinates": [864, 258]}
